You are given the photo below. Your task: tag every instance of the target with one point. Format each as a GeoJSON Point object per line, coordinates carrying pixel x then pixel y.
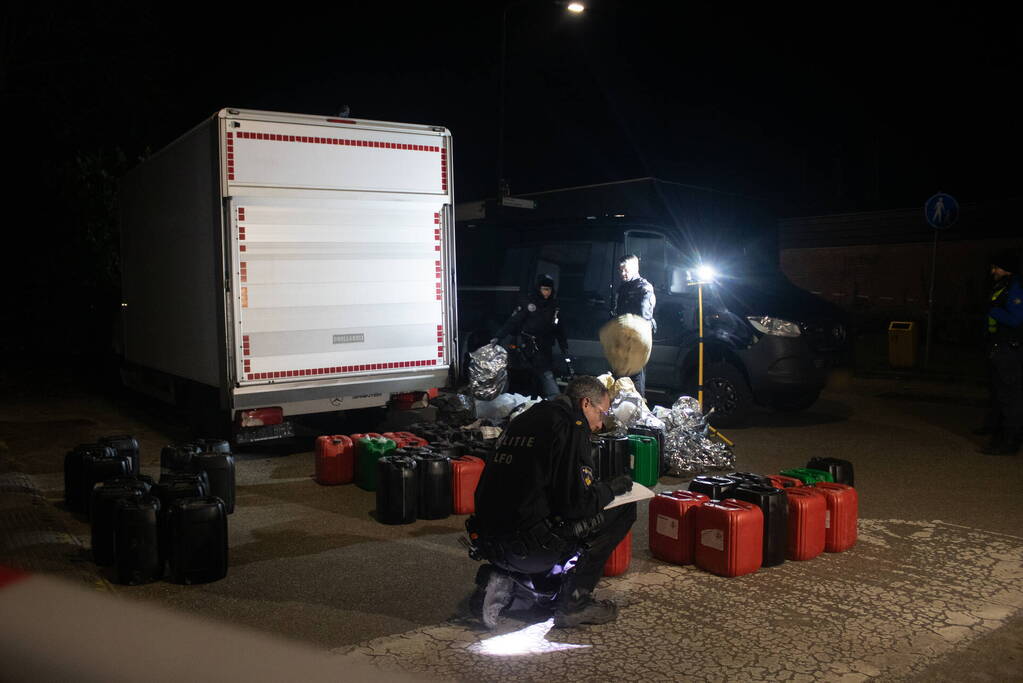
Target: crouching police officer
{"type": "Point", "coordinates": [539, 508]}
{"type": "Point", "coordinates": [537, 324]}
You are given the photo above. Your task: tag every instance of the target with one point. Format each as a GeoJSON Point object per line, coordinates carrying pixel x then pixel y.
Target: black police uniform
{"type": "Point", "coordinates": [537, 324]}
{"type": "Point", "coordinates": [538, 504]}
{"type": "Point", "coordinates": [1005, 362]}
{"type": "Point", "coordinates": [637, 297]}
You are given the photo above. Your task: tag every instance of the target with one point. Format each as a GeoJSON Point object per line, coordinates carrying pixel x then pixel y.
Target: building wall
{"type": "Point", "coordinates": [878, 283]}
{"type": "Point", "coordinates": [877, 265]}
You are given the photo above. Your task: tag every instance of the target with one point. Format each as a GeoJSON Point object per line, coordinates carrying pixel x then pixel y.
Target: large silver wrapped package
{"type": "Point", "coordinates": [688, 455]}
{"type": "Point", "coordinates": [686, 414]}
{"type": "Point", "coordinates": [665, 415]}
{"type": "Point", "coordinates": [488, 371]}
{"type": "Point", "coordinates": [687, 449]}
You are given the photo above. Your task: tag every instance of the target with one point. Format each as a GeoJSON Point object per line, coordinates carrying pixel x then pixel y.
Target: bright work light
{"type": "Point", "coordinates": [576, 7]}
{"type": "Point", "coordinates": [703, 274]}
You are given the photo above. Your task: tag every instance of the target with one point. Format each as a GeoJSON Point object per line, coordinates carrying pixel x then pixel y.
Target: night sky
{"type": "Point", "coordinates": [822, 108]}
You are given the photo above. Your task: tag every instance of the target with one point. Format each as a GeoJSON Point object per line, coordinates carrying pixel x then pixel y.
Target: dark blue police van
{"type": "Point", "coordinates": [766, 341]}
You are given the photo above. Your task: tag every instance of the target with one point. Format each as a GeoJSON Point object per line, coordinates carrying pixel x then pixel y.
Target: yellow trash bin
{"type": "Point", "coordinates": [902, 343]}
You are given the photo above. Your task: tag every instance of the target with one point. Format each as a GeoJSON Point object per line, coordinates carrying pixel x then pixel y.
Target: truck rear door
{"type": "Point", "coordinates": [339, 252]}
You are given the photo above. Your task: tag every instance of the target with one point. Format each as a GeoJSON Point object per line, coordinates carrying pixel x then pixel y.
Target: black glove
{"type": "Point", "coordinates": [493, 341]}
{"type": "Point", "coordinates": [620, 484]}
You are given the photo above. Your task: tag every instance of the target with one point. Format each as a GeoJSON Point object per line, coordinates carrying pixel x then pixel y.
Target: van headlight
{"type": "Point", "coordinates": [776, 326]}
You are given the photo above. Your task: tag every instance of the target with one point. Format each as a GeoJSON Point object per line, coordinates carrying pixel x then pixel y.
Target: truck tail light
{"type": "Point", "coordinates": [260, 417]}
{"type": "Point", "coordinates": [413, 399]}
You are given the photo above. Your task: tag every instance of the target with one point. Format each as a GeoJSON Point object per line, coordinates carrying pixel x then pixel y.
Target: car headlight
{"type": "Point", "coordinates": [776, 326]}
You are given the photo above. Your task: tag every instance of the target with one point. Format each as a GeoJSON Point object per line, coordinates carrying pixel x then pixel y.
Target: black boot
{"type": "Point", "coordinates": [579, 607]}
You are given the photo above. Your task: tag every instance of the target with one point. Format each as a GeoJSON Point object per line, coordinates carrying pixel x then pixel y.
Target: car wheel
{"type": "Point", "coordinates": [793, 403]}
{"type": "Point", "coordinates": [726, 391]}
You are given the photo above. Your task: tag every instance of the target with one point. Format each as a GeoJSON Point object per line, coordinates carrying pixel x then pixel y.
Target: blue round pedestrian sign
{"type": "Point", "coordinates": [941, 211]}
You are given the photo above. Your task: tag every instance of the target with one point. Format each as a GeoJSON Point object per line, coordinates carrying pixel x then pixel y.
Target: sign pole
{"type": "Point", "coordinates": [940, 211]}
{"type": "Point", "coordinates": [930, 303]}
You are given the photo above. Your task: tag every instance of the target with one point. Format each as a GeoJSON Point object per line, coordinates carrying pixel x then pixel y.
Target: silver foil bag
{"type": "Point", "coordinates": [488, 371]}
{"type": "Point", "coordinates": [628, 408]}
{"type": "Point", "coordinates": [666, 417]}
{"type": "Point", "coordinates": [650, 420]}
{"type": "Point", "coordinates": [688, 451]}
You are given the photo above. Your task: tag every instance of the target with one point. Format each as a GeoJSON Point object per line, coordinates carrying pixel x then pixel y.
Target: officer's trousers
{"type": "Point", "coordinates": [590, 566]}
{"type": "Point", "coordinates": [547, 385]}
{"type": "Point", "coordinates": [617, 523]}
{"type": "Point", "coordinates": [541, 375]}
{"type": "Point", "coordinates": [1005, 415]}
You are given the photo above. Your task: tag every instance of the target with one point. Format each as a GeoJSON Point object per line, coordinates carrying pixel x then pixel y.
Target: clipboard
{"type": "Point", "coordinates": [638, 493]}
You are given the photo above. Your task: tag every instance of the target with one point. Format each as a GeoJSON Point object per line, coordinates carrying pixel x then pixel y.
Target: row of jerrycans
{"type": "Point", "coordinates": [637, 455]}
{"type": "Point", "coordinates": [139, 526]}
{"type": "Point", "coordinates": [445, 479]}
{"type": "Point", "coordinates": [735, 524]}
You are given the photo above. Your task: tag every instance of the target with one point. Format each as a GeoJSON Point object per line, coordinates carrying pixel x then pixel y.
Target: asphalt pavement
{"type": "Point", "coordinates": [933, 589]}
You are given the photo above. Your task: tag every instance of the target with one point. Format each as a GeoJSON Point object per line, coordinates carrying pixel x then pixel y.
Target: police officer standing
{"type": "Point", "coordinates": [537, 324]}
{"type": "Point", "coordinates": [1004, 421]}
{"type": "Point", "coordinates": [538, 506]}
{"type": "Point", "coordinates": [635, 295]}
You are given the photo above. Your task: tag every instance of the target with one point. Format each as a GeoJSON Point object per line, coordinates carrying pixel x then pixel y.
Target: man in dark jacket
{"type": "Point", "coordinates": [537, 324]}
{"type": "Point", "coordinates": [635, 295]}
{"type": "Point", "coordinates": [539, 506]}
{"type": "Point", "coordinates": [1004, 421]}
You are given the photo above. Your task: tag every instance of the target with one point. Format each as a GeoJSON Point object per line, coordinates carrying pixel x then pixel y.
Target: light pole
{"type": "Point", "coordinates": [572, 7]}
{"type": "Point", "coordinates": [702, 275]}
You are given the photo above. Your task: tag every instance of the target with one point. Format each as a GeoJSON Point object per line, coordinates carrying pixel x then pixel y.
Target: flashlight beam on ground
{"type": "Point", "coordinates": [531, 640]}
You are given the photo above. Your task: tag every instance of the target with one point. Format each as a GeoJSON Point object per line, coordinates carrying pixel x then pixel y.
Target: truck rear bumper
{"type": "Point", "coordinates": [305, 397]}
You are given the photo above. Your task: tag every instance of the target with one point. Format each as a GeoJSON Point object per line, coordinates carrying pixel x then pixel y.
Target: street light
{"type": "Point", "coordinates": [572, 7]}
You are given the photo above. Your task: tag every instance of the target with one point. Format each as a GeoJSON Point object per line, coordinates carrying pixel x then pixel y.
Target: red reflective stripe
{"type": "Point", "coordinates": [347, 142]}
{"type": "Point", "coordinates": [306, 372]}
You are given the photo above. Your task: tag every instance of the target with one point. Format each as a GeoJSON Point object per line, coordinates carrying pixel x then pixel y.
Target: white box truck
{"type": "Point", "coordinates": [289, 264]}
